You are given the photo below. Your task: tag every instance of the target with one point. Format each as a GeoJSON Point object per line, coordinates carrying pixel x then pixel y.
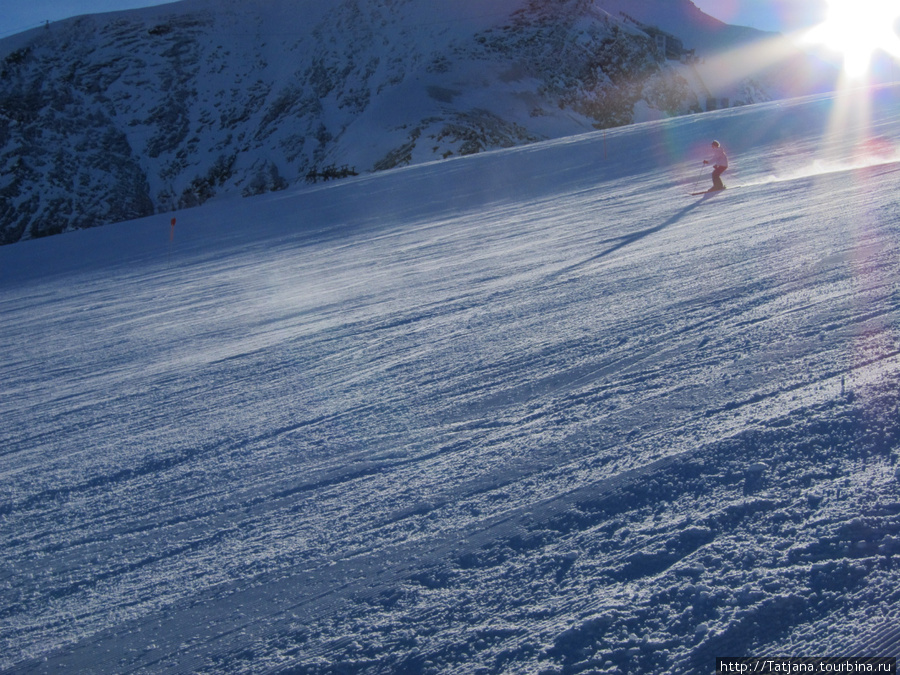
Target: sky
{"type": "Point", "coordinates": [782, 16]}
{"type": "Point", "coordinates": [772, 15]}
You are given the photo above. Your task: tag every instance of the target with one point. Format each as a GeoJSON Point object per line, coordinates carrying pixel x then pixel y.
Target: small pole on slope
{"type": "Point", "coordinates": [171, 239]}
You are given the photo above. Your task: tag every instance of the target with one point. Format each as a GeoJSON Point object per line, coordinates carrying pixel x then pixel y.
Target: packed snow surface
{"type": "Point", "coordinates": [536, 410]}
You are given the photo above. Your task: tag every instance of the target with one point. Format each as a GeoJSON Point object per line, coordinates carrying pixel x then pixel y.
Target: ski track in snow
{"type": "Point", "coordinates": [510, 413]}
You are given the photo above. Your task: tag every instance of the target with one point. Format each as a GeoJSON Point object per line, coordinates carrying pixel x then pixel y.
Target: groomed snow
{"type": "Point", "coordinates": [530, 411]}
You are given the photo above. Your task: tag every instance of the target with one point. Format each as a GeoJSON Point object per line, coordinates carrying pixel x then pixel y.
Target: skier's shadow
{"type": "Point", "coordinates": [634, 237]}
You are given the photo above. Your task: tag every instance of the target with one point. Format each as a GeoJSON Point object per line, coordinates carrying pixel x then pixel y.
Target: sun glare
{"type": "Point", "coordinates": [857, 29]}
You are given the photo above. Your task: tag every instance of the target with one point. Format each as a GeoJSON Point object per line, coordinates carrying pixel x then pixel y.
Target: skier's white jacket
{"type": "Point", "coordinates": [719, 158]}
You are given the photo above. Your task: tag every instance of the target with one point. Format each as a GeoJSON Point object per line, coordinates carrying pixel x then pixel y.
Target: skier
{"type": "Point", "coordinates": [720, 163]}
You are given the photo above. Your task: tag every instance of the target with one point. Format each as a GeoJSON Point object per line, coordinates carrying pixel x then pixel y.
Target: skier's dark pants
{"type": "Point", "coordinates": [717, 177]}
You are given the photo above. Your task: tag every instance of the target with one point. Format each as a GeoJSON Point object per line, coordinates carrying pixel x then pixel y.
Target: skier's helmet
{"type": "Point", "coordinates": [715, 144]}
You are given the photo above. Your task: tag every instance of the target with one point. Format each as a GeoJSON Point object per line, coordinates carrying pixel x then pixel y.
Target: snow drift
{"type": "Point", "coordinates": [535, 410]}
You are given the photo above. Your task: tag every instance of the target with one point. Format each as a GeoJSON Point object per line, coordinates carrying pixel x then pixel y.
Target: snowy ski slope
{"type": "Point", "coordinates": [536, 410]}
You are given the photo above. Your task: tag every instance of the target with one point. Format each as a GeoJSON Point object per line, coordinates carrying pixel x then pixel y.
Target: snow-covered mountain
{"type": "Point", "coordinates": [115, 116]}
{"type": "Point", "coordinates": [536, 410]}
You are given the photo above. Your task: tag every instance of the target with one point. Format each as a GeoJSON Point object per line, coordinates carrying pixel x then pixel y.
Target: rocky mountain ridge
{"type": "Point", "coordinates": [111, 117]}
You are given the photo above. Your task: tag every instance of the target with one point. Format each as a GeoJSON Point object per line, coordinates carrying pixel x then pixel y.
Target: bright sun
{"type": "Point", "coordinates": [856, 29]}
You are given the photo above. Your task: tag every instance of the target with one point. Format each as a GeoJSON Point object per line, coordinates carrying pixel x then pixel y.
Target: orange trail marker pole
{"type": "Point", "coordinates": [171, 238]}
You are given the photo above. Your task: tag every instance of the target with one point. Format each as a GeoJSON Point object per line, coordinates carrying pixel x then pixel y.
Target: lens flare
{"type": "Point", "coordinates": [857, 29]}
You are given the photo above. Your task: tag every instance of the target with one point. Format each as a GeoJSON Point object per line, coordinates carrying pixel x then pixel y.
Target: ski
{"type": "Point", "coordinates": [710, 191]}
